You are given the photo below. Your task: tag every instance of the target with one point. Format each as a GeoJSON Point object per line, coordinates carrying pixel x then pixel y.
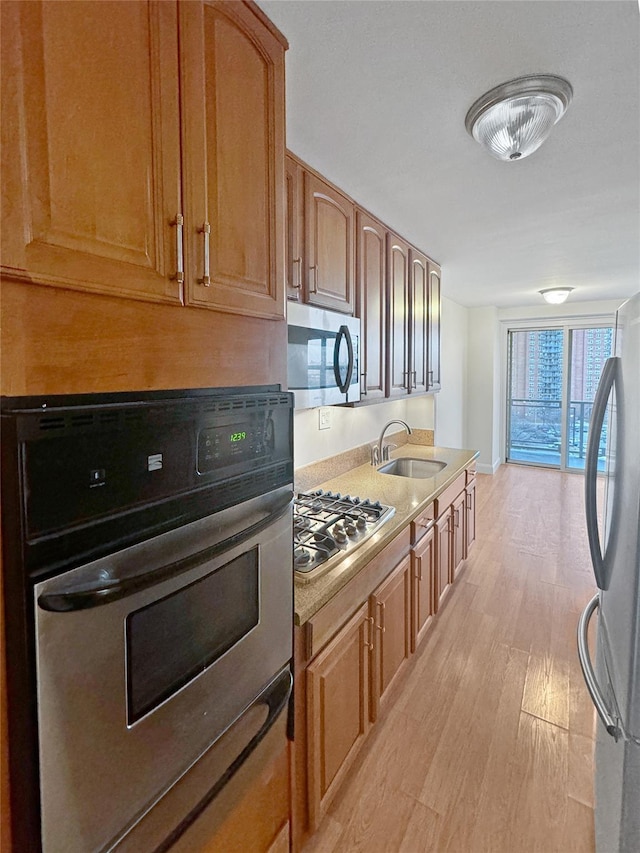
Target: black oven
{"type": "Point", "coordinates": [148, 595]}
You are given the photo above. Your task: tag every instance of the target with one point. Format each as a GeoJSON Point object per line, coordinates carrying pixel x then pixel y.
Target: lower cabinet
{"type": "Point", "coordinates": [422, 580]}
{"type": "Point", "coordinates": [470, 515]}
{"type": "Point", "coordinates": [443, 576]}
{"type": "Point", "coordinates": [338, 708]}
{"type": "Point", "coordinates": [350, 678]}
{"type": "Point", "coordinates": [458, 533]}
{"type": "Point", "coordinates": [391, 611]}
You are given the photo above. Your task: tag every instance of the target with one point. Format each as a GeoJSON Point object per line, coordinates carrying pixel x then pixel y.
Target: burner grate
{"type": "Point", "coordinates": [327, 525]}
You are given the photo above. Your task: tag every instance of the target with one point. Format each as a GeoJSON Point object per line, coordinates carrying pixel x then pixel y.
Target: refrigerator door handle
{"type": "Point", "coordinates": [607, 381]}
{"type": "Point", "coordinates": [610, 722]}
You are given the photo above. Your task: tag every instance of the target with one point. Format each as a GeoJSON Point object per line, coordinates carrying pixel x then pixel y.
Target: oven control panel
{"type": "Point", "coordinates": [240, 441]}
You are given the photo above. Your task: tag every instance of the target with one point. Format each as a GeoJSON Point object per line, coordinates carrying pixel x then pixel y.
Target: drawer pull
{"type": "Point", "coordinates": [381, 627]}
{"type": "Point", "coordinates": [369, 643]}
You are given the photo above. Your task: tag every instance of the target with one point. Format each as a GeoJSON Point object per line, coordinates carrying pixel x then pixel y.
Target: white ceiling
{"type": "Point", "coordinates": [377, 93]}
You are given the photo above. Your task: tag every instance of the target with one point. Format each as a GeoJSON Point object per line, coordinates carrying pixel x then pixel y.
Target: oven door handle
{"type": "Point", "coordinates": [276, 696]}
{"type": "Point", "coordinates": [112, 589]}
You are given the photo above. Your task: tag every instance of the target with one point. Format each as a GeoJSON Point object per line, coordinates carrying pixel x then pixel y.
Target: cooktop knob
{"type": "Point", "coordinates": [339, 533]}
{"type": "Point", "coordinates": [350, 527]}
{"type": "Point", "coordinates": [361, 522]}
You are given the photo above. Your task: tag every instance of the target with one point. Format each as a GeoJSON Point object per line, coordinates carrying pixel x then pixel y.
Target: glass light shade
{"type": "Point", "coordinates": [556, 295]}
{"type": "Point", "coordinates": [513, 120]}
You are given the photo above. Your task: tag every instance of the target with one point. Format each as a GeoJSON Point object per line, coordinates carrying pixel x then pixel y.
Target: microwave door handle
{"type": "Point", "coordinates": [343, 332]}
{"type": "Point", "coordinates": [607, 381]}
{"type": "Point", "coordinates": [112, 589]}
{"type": "Point", "coordinates": [275, 697]}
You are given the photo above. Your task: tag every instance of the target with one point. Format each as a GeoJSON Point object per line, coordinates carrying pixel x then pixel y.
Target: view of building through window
{"type": "Point", "coordinates": [537, 377]}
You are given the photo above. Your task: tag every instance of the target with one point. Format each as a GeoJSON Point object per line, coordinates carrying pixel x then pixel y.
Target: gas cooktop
{"type": "Point", "coordinates": [328, 526]}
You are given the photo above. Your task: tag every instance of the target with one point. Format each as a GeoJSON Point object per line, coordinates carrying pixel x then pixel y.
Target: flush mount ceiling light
{"type": "Point", "coordinates": [556, 295]}
{"type": "Point", "coordinates": [514, 119]}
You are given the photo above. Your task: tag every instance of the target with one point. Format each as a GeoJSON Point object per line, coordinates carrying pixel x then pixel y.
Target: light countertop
{"type": "Point", "coordinates": [409, 496]}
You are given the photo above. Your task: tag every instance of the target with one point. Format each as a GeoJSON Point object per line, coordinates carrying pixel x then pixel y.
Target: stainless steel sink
{"type": "Point", "coordinates": [409, 467]}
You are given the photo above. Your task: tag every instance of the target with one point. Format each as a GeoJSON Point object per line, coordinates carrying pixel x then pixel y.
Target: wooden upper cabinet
{"type": "Point", "coordinates": [433, 332]}
{"type": "Point", "coordinates": [419, 289]}
{"type": "Point", "coordinates": [329, 280]}
{"type": "Point", "coordinates": [371, 304]}
{"type": "Point", "coordinates": [91, 146]}
{"type": "Point", "coordinates": [232, 101]}
{"type": "Point", "coordinates": [293, 229]}
{"type": "Point", "coordinates": [398, 316]}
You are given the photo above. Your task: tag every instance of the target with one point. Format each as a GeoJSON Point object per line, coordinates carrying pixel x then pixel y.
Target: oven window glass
{"type": "Point", "coordinates": [172, 640]}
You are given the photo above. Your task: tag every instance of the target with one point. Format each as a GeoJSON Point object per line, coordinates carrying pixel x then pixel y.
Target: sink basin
{"type": "Point", "coordinates": [416, 468]}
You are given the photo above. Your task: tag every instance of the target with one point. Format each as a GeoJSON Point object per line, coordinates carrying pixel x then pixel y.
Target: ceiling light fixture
{"type": "Point", "coordinates": [514, 119]}
{"type": "Point", "coordinates": [556, 295]}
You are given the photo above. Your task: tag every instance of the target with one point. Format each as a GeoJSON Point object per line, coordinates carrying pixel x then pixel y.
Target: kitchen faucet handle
{"type": "Point", "coordinates": [386, 450]}
{"type": "Point", "coordinates": [375, 455]}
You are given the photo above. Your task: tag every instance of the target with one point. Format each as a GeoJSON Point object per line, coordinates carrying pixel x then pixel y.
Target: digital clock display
{"type": "Point", "coordinates": [237, 436]}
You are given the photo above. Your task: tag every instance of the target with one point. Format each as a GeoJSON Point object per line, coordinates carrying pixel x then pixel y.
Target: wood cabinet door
{"type": "Point", "coordinates": [442, 573]}
{"type": "Point", "coordinates": [422, 582]}
{"type": "Point", "coordinates": [293, 229]}
{"type": "Point", "coordinates": [419, 290]}
{"type": "Point", "coordinates": [458, 510]}
{"type": "Point", "coordinates": [470, 515]}
{"type": "Point", "coordinates": [371, 304]}
{"type": "Point", "coordinates": [232, 103]}
{"type": "Point", "coordinates": [398, 317]}
{"type": "Point", "coordinates": [91, 146]}
{"type": "Point", "coordinates": [338, 712]}
{"type": "Point", "coordinates": [391, 611]}
{"type": "Point", "coordinates": [329, 279]}
{"type": "Point", "coordinates": [433, 332]}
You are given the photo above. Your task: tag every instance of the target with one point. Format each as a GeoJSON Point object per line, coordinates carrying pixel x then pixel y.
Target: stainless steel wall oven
{"type": "Point", "coordinates": [148, 598]}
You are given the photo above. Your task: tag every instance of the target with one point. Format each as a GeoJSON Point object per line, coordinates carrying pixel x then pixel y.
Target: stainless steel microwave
{"type": "Point", "coordinates": [323, 356]}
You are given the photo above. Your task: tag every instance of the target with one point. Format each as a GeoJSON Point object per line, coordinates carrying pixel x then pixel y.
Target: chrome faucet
{"type": "Point", "coordinates": [380, 451]}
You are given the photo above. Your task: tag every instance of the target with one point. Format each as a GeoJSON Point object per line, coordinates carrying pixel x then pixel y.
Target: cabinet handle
{"type": "Point", "coordinates": [430, 374]}
{"type": "Point", "coordinates": [369, 643]}
{"type": "Point", "coordinates": [426, 524]}
{"type": "Point", "coordinates": [468, 501]}
{"type": "Point", "coordinates": [206, 278]}
{"type": "Point", "coordinates": [381, 627]}
{"type": "Point", "coordinates": [363, 383]}
{"type": "Point", "coordinates": [178, 222]}
{"type": "Point", "coordinates": [456, 518]}
{"type": "Point", "coordinates": [419, 561]}
{"type": "Point", "coordinates": [314, 270]}
{"type": "Point", "coordinates": [414, 373]}
{"type": "Point", "coordinates": [298, 261]}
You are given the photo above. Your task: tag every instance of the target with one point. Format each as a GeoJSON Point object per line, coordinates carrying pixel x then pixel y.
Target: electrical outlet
{"type": "Point", "coordinates": [324, 418]}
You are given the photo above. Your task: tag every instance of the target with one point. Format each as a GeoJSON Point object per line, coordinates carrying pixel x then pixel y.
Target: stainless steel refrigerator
{"type": "Point", "coordinates": [614, 680]}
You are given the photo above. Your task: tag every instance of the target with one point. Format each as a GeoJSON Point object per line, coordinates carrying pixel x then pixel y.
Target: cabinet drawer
{"type": "Point", "coordinates": [421, 525]}
{"type": "Point", "coordinates": [330, 618]}
{"type": "Point", "coordinates": [450, 494]}
{"type": "Point", "coordinates": [471, 472]}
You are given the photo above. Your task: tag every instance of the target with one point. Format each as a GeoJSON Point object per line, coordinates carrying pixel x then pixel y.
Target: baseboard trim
{"type": "Point", "coordinates": [482, 468]}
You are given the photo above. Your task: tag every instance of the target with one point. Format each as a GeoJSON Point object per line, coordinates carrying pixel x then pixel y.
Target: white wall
{"type": "Point", "coordinates": [450, 402]}
{"type": "Point", "coordinates": [353, 427]}
{"type": "Point", "coordinates": [483, 387]}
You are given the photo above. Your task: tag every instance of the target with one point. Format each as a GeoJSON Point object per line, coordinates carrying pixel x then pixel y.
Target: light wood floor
{"type": "Point", "coordinates": [489, 744]}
